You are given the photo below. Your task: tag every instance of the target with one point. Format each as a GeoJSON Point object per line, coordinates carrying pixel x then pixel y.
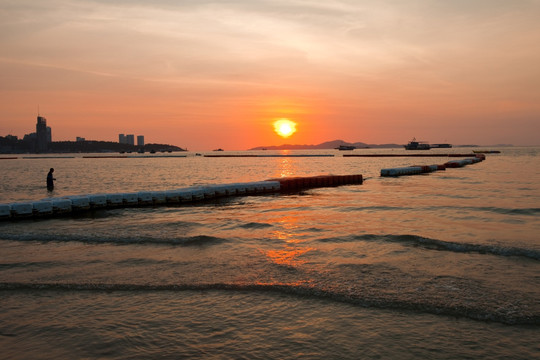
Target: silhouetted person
{"type": "Point", "coordinates": [50, 180]}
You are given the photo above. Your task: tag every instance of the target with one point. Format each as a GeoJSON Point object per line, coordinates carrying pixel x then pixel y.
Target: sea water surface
{"type": "Point", "coordinates": [444, 265]}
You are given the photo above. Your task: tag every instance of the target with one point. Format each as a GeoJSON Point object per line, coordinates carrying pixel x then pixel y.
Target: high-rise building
{"type": "Point", "coordinates": [130, 139]}
{"type": "Point", "coordinates": [41, 134]}
{"type": "Point", "coordinates": [122, 139]}
{"type": "Point", "coordinates": [140, 140]}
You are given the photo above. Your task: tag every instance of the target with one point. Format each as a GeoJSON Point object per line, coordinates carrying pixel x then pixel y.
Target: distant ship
{"type": "Point", "coordinates": [417, 145]}
{"type": "Point", "coordinates": [220, 149]}
{"type": "Point", "coordinates": [345, 147]}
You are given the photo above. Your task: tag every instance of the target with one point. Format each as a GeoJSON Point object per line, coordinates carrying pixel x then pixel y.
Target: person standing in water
{"type": "Point", "coordinates": [50, 180]}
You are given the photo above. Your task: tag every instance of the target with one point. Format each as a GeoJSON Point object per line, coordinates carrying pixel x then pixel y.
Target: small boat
{"type": "Point", "coordinates": [417, 145]}
{"type": "Point", "coordinates": [220, 149]}
{"type": "Point", "coordinates": [345, 147]}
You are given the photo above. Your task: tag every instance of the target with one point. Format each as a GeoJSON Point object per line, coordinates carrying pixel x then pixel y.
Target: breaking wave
{"type": "Point", "coordinates": [434, 244]}
{"type": "Point", "coordinates": [129, 240]}
{"type": "Point", "coordinates": [506, 316]}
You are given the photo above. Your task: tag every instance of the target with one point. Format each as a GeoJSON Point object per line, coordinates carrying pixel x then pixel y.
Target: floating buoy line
{"type": "Point", "coordinates": [77, 203]}
{"type": "Point", "coordinates": [51, 207]}
{"type": "Point", "coordinates": [139, 156]}
{"type": "Point", "coordinates": [422, 169]}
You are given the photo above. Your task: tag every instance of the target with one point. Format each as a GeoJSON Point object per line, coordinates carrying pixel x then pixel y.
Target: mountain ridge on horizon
{"type": "Point", "coordinates": [359, 145]}
{"type": "Point", "coordinates": [327, 145]}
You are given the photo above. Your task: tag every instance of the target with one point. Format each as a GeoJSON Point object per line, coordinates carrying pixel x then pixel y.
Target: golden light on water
{"type": "Point", "coordinates": [284, 127]}
{"type": "Point", "coordinates": [288, 257]}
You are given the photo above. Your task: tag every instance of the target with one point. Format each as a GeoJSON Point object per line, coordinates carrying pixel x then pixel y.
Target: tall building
{"type": "Point", "coordinates": [122, 139]}
{"type": "Point", "coordinates": [140, 140]}
{"type": "Point", "coordinates": [41, 134]}
{"type": "Point", "coordinates": [130, 139]}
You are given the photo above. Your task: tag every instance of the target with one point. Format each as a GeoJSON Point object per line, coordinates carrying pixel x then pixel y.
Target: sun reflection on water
{"type": "Point", "coordinates": [288, 256]}
{"type": "Point", "coordinates": [290, 251]}
{"type": "Point", "coordinates": [288, 226]}
{"type": "Point", "coordinates": [286, 167]}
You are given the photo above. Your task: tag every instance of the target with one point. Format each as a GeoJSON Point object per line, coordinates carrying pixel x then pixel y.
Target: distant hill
{"type": "Point", "coordinates": [328, 145]}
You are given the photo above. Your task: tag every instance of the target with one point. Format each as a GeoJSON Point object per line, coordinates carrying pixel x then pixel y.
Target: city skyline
{"type": "Point", "coordinates": [212, 74]}
{"type": "Point", "coordinates": [43, 136]}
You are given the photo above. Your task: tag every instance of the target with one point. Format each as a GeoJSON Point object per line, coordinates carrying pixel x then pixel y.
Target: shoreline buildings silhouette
{"type": "Point", "coordinates": [43, 134]}
{"type": "Point", "coordinates": [130, 139]}
{"type": "Point", "coordinates": [40, 141]}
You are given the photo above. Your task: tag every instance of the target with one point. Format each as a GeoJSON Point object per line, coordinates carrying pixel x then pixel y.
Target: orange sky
{"type": "Point", "coordinates": [209, 74]}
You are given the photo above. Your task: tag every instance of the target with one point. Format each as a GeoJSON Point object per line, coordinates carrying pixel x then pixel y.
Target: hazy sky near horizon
{"type": "Point", "coordinates": [208, 74]}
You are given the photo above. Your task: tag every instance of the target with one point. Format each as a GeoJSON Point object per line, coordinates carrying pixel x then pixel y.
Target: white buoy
{"type": "Point", "coordinates": [197, 194]}
{"type": "Point", "coordinates": [114, 200]}
{"type": "Point", "coordinates": [230, 189]}
{"type": "Point", "coordinates": [251, 188]}
{"type": "Point", "coordinates": [408, 170]}
{"type": "Point", "coordinates": [159, 197]}
{"type": "Point", "coordinates": [274, 186]}
{"type": "Point", "coordinates": [172, 196]}
{"type": "Point", "coordinates": [5, 211]}
{"type": "Point", "coordinates": [459, 163]}
{"type": "Point", "coordinates": [219, 190]}
{"type": "Point", "coordinates": [19, 210]}
{"type": "Point", "coordinates": [130, 199]}
{"type": "Point", "coordinates": [209, 192]}
{"type": "Point", "coordinates": [42, 208]}
{"type": "Point", "coordinates": [179, 195]}
{"type": "Point", "coordinates": [144, 198]}
{"type": "Point", "coordinates": [97, 200]}
{"type": "Point", "coordinates": [270, 186]}
{"type": "Point", "coordinates": [240, 188]}
{"type": "Point", "coordinates": [259, 187]}
{"type": "Point", "coordinates": [61, 206]}
{"type": "Point", "coordinates": [185, 195]}
{"type": "Point", "coordinates": [79, 202]}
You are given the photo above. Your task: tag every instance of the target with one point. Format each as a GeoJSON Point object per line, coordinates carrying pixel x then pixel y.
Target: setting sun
{"type": "Point", "coordinates": [284, 127]}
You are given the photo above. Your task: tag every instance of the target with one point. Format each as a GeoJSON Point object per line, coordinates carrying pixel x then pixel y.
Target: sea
{"type": "Point", "coordinates": [444, 265]}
